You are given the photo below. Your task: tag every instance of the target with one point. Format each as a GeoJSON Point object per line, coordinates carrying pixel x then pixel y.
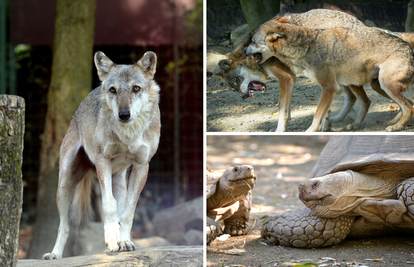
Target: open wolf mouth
{"type": "Point", "coordinates": [256, 86]}
{"type": "Point", "coordinates": [257, 57]}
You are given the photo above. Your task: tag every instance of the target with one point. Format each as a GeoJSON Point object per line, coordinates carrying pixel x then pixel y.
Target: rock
{"type": "Point", "coordinates": [193, 237]}
{"type": "Point", "coordinates": [239, 34]}
{"type": "Point", "coordinates": [153, 241]}
{"type": "Point", "coordinates": [213, 59]}
{"type": "Point", "coordinates": [160, 256]}
{"type": "Point", "coordinates": [90, 240]}
{"type": "Point", "coordinates": [173, 223]}
{"type": "Point", "coordinates": [370, 23]}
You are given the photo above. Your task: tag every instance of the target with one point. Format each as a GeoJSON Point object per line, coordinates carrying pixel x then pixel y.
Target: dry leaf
{"type": "Point", "coordinates": [223, 237]}
{"type": "Point", "coordinates": [240, 107]}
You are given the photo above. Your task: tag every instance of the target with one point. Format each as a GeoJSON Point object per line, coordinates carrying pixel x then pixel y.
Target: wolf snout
{"type": "Point", "coordinates": [124, 115]}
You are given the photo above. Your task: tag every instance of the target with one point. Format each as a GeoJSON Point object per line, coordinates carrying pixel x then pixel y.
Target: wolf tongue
{"type": "Point", "coordinates": [256, 86]}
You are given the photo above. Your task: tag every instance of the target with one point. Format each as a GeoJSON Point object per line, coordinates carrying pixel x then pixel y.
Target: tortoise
{"type": "Point", "coordinates": [361, 186]}
{"type": "Point", "coordinates": [229, 198]}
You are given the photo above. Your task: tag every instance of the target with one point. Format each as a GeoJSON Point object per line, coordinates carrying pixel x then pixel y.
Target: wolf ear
{"type": "Point", "coordinates": [225, 64]}
{"type": "Point", "coordinates": [284, 19]}
{"type": "Point", "coordinates": [273, 35]}
{"type": "Point", "coordinates": [148, 63]}
{"type": "Point", "coordinates": [103, 64]}
{"type": "Point", "coordinates": [220, 75]}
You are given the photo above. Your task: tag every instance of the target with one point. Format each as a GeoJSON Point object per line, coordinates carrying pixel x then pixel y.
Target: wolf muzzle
{"type": "Point", "coordinates": [124, 115]}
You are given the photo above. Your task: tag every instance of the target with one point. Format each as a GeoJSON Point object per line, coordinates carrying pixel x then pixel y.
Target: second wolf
{"type": "Point", "coordinates": [335, 57]}
{"type": "Point", "coordinates": [116, 127]}
{"type": "Point", "coordinates": [250, 75]}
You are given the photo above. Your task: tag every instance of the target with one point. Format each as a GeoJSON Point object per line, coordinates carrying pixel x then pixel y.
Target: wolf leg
{"type": "Point", "coordinates": [286, 82]}
{"type": "Point", "coordinates": [109, 204]}
{"type": "Point", "coordinates": [69, 155]}
{"type": "Point", "coordinates": [119, 189]}
{"type": "Point", "coordinates": [349, 102]}
{"type": "Point", "coordinates": [64, 196]}
{"type": "Point", "coordinates": [364, 101]}
{"type": "Point", "coordinates": [136, 183]}
{"type": "Point", "coordinates": [394, 81]}
{"type": "Point", "coordinates": [328, 92]}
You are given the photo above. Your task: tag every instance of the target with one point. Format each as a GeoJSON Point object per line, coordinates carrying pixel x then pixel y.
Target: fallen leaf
{"type": "Point", "coordinates": [223, 237]}
{"type": "Point", "coordinates": [240, 107]}
{"type": "Point", "coordinates": [374, 259]}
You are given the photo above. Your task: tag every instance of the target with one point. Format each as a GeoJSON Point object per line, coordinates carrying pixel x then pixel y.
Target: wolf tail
{"type": "Point", "coordinates": [81, 210]}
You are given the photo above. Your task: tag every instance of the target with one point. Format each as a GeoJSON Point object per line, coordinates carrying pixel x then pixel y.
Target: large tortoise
{"type": "Point", "coordinates": [361, 186]}
{"type": "Point", "coordinates": [229, 198]}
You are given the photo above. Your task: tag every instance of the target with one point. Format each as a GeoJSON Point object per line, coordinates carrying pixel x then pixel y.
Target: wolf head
{"type": "Point", "coordinates": [126, 88]}
{"type": "Point", "coordinates": [268, 32]}
{"type": "Point", "coordinates": [241, 76]}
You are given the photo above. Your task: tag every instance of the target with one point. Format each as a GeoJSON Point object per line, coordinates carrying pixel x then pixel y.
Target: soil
{"type": "Point", "coordinates": [228, 112]}
{"type": "Point", "coordinates": [281, 163]}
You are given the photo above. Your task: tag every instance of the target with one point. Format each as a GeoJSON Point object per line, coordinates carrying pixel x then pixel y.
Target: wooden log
{"type": "Point", "coordinates": [12, 110]}
{"type": "Point", "coordinates": [158, 256]}
{"type": "Point", "coordinates": [409, 23]}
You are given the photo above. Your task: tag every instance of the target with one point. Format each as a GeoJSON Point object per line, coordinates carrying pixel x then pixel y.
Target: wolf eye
{"type": "Point", "coordinates": [136, 88]}
{"type": "Point", "coordinates": [112, 90]}
{"type": "Point", "coordinates": [238, 80]}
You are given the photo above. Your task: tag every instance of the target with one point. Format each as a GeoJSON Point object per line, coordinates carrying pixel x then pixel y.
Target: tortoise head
{"type": "Point", "coordinates": [338, 193]}
{"type": "Point", "coordinates": [238, 179]}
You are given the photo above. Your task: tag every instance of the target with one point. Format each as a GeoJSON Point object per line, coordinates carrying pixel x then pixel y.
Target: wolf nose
{"type": "Point", "coordinates": [124, 115]}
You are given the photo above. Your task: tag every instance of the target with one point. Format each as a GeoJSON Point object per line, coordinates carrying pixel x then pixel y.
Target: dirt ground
{"type": "Point", "coordinates": [228, 112]}
{"type": "Point", "coordinates": [281, 163]}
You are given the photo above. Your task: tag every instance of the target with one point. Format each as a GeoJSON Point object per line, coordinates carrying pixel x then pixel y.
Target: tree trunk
{"type": "Point", "coordinates": [12, 110]}
{"type": "Point", "coordinates": [254, 12]}
{"type": "Point", "coordinates": [409, 23]}
{"type": "Point", "coordinates": [70, 83]}
{"type": "Point", "coordinates": [272, 7]}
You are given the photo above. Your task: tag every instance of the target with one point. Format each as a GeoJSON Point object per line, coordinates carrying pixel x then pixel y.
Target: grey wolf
{"type": "Point", "coordinates": [250, 75]}
{"type": "Point", "coordinates": [335, 57]}
{"type": "Point", "coordinates": [116, 127]}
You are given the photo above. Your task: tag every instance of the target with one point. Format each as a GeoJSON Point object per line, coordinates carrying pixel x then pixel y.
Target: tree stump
{"type": "Point", "coordinates": [12, 110]}
{"type": "Point", "coordinates": [409, 23]}
{"type": "Point", "coordinates": [158, 256]}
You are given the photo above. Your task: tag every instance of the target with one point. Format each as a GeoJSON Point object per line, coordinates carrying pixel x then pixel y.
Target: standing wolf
{"type": "Point", "coordinates": [341, 56]}
{"type": "Point", "coordinates": [243, 74]}
{"type": "Point", "coordinates": [115, 127]}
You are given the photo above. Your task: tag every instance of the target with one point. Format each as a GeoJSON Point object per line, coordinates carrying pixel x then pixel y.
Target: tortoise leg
{"type": "Point", "coordinates": [381, 211]}
{"type": "Point", "coordinates": [302, 229]}
{"type": "Point", "coordinates": [237, 224]}
{"type": "Point", "coordinates": [213, 230]}
{"type": "Point", "coordinates": [406, 194]}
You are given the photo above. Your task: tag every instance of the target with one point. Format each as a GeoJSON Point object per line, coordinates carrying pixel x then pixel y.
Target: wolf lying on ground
{"type": "Point", "coordinates": [341, 56]}
{"type": "Point", "coordinates": [243, 74]}
{"type": "Point", "coordinates": [115, 127]}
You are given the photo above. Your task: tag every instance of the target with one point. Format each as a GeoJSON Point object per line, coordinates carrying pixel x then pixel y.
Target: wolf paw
{"type": "Point", "coordinates": [50, 256]}
{"type": "Point", "coordinates": [112, 237]}
{"type": "Point", "coordinates": [394, 128]}
{"type": "Point", "coordinates": [126, 246]}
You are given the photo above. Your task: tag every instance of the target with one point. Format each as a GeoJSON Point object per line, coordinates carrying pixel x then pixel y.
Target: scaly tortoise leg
{"type": "Point", "coordinates": [237, 223]}
{"type": "Point", "coordinates": [405, 193]}
{"type": "Point", "coordinates": [302, 229]}
{"type": "Point", "coordinates": [213, 230]}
